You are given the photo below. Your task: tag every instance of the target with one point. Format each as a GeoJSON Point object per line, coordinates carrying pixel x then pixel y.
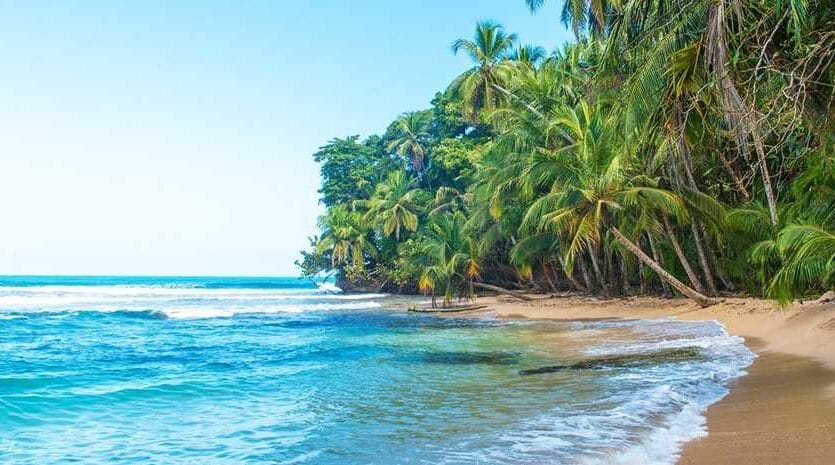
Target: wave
{"type": "Point", "coordinates": [176, 302]}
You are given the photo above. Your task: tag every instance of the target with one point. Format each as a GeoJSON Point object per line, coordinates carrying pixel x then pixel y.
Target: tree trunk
{"type": "Point", "coordinates": [624, 276]}
{"type": "Point", "coordinates": [769, 190]}
{"type": "Point", "coordinates": [701, 299]}
{"type": "Point", "coordinates": [738, 114]}
{"type": "Point", "coordinates": [570, 276]}
{"type": "Point", "coordinates": [697, 230]}
{"type": "Point", "coordinates": [502, 290]}
{"type": "Point", "coordinates": [738, 184]}
{"type": "Point", "coordinates": [548, 277]}
{"type": "Point", "coordinates": [714, 260]}
{"type": "Point", "coordinates": [691, 275]}
{"type": "Point", "coordinates": [584, 271]}
{"type": "Point", "coordinates": [660, 259]}
{"type": "Point", "coordinates": [595, 265]}
{"type": "Point", "coordinates": [513, 96]}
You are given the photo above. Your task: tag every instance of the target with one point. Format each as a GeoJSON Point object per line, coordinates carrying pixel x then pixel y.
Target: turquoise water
{"type": "Point", "coordinates": [278, 371]}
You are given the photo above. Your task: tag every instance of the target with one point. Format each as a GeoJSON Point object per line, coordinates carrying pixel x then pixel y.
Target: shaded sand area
{"type": "Point", "coordinates": [782, 413]}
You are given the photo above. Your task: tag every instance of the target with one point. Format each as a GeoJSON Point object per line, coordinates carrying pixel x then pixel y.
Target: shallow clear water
{"type": "Point", "coordinates": [273, 371]}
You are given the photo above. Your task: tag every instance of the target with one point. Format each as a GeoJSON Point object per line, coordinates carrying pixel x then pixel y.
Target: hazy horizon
{"type": "Point", "coordinates": [168, 140]}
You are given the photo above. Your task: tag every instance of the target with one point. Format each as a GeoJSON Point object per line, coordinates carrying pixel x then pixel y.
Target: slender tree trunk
{"type": "Point", "coordinates": [595, 265]}
{"type": "Point", "coordinates": [660, 259]}
{"type": "Point", "coordinates": [738, 113]}
{"type": "Point", "coordinates": [691, 275]}
{"type": "Point", "coordinates": [570, 276]}
{"type": "Point", "coordinates": [701, 299]}
{"type": "Point", "coordinates": [585, 273]}
{"type": "Point", "coordinates": [624, 276]}
{"type": "Point", "coordinates": [738, 184]}
{"type": "Point", "coordinates": [513, 96]}
{"type": "Point", "coordinates": [548, 277]}
{"type": "Point", "coordinates": [714, 259]}
{"type": "Point", "coordinates": [763, 161]}
{"type": "Point", "coordinates": [697, 230]}
{"type": "Point", "coordinates": [642, 281]}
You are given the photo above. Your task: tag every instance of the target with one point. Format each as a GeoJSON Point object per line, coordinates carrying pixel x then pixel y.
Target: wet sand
{"type": "Point", "coordinates": [782, 412]}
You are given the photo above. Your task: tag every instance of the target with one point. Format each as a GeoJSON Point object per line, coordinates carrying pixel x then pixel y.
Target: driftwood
{"type": "Point", "coordinates": [467, 308]}
{"type": "Point", "coordinates": [502, 290]}
{"type": "Point", "coordinates": [661, 356]}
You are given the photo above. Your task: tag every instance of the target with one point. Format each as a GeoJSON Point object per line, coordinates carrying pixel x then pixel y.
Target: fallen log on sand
{"type": "Point", "coordinates": [502, 290]}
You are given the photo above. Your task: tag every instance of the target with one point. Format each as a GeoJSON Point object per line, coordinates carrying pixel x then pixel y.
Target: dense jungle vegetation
{"type": "Point", "coordinates": [675, 147]}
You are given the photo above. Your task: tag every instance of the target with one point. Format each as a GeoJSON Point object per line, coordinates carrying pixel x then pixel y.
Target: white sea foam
{"type": "Point", "coordinates": [645, 413]}
{"type": "Point", "coordinates": [178, 302]}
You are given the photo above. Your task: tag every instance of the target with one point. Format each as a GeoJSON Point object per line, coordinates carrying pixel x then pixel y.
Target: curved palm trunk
{"type": "Point", "coordinates": [513, 96]}
{"type": "Point", "coordinates": [595, 265]}
{"type": "Point", "coordinates": [624, 276]}
{"type": "Point", "coordinates": [584, 271]}
{"type": "Point", "coordinates": [551, 283]}
{"type": "Point", "coordinates": [571, 279]}
{"type": "Point", "coordinates": [699, 298]}
{"type": "Point", "coordinates": [697, 230]}
{"type": "Point", "coordinates": [738, 113]}
{"type": "Point", "coordinates": [685, 263]}
{"type": "Point", "coordinates": [660, 259]}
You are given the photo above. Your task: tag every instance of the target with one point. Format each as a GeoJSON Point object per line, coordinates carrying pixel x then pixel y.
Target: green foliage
{"type": "Point", "coordinates": [350, 169]}
{"type": "Point", "coordinates": [675, 142]}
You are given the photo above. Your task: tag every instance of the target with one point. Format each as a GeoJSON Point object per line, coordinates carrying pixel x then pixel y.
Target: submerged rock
{"type": "Point", "coordinates": [647, 358]}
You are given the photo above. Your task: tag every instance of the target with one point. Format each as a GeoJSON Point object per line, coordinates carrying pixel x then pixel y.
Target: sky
{"type": "Point", "coordinates": [166, 138]}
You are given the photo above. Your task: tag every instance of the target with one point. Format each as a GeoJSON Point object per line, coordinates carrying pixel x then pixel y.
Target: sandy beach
{"type": "Point", "coordinates": [782, 412]}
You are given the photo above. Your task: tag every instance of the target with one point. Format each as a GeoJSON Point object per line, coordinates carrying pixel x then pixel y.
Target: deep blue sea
{"type": "Point", "coordinates": [151, 370]}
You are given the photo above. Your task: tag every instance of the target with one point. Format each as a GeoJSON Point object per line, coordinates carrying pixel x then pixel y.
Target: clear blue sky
{"type": "Point", "coordinates": [175, 137]}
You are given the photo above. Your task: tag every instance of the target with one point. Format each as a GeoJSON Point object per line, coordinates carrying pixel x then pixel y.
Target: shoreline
{"type": "Point", "coordinates": [782, 412]}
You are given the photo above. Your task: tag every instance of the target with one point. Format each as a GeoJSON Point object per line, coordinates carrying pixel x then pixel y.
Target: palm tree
{"type": "Point", "coordinates": [592, 191]}
{"type": "Point", "coordinates": [345, 237]}
{"type": "Point", "coordinates": [582, 15]}
{"type": "Point", "coordinates": [411, 131]}
{"type": "Point", "coordinates": [394, 205]}
{"type": "Point", "coordinates": [528, 55]}
{"type": "Point", "coordinates": [485, 85]}
{"type": "Point", "coordinates": [452, 258]}
{"type": "Point", "coordinates": [808, 253]}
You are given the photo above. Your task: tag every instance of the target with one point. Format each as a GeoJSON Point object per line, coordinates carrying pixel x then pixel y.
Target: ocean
{"type": "Point", "coordinates": [187, 370]}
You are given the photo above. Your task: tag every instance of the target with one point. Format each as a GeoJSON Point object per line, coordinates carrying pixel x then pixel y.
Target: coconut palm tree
{"type": "Point", "coordinates": [411, 134]}
{"type": "Point", "coordinates": [593, 191]}
{"type": "Point", "coordinates": [582, 15]}
{"type": "Point", "coordinates": [394, 205]}
{"type": "Point", "coordinates": [808, 253]}
{"type": "Point", "coordinates": [345, 237]}
{"type": "Point", "coordinates": [452, 258]}
{"type": "Point", "coordinates": [528, 55]}
{"type": "Point", "coordinates": [484, 87]}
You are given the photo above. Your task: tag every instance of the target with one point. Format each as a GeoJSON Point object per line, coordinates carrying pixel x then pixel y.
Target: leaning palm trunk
{"type": "Point", "coordinates": [571, 279]}
{"type": "Point", "coordinates": [595, 265]}
{"type": "Point", "coordinates": [547, 275]}
{"type": "Point", "coordinates": [699, 298]}
{"type": "Point", "coordinates": [660, 259]}
{"type": "Point", "coordinates": [738, 114]}
{"type": "Point", "coordinates": [697, 230]}
{"type": "Point", "coordinates": [515, 97]}
{"type": "Point", "coordinates": [685, 263]}
{"type": "Point", "coordinates": [584, 272]}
